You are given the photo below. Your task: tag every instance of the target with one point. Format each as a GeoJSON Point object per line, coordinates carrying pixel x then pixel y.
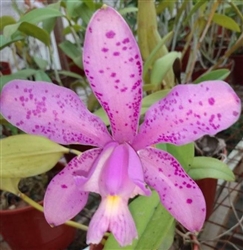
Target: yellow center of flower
{"type": "Point", "coordinates": [113, 202]}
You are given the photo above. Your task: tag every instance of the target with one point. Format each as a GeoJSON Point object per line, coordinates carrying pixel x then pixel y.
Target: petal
{"type": "Point", "coordinates": [178, 192]}
{"type": "Point", "coordinates": [135, 173]}
{"type": "Point", "coordinates": [55, 112]}
{"type": "Point", "coordinates": [189, 112]}
{"type": "Point", "coordinates": [63, 199]}
{"type": "Point", "coordinates": [93, 178]}
{"type": "Point", "coordinates": [113, 215]}
{"type": "Point", "coordinates": [117, 171]}
{"type": "Point", "coordinates": [113, 66]}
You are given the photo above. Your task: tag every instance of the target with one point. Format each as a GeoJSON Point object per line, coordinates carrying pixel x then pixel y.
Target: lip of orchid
{"type": "Point", "coordinates": [113, 66]}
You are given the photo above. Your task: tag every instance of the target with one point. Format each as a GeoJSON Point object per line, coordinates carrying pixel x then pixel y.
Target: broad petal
{"type": "Point", "coordinates": [112, 215]}
{"type": "Point", "coordinates": [55, 112]}
{"type": "Point", "coordinates": [189, 112]}
{"type": "Point", "coordinates": [113, 66]}
{"type": "Point", "coordinates": [178, 192]}
{"type": "Point", "coordinates": [63, 199]}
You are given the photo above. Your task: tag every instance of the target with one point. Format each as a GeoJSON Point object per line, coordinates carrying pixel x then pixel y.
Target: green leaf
{"type": "Point", "coordinates": [42, 76]}
{"type": "Point", "coordinates": [71, 7]}
{"type": "Point", "coordinates": [194, 9]}
{"type": "Point", "coordinates": [127, 10]}
{"type": "Point", "coordinates": [162, 66]}
{"type": "Point", "coordinates": [103, 116]}
{"type": "Point", "coordinates": [153, 224]}
{"type": "Point", "coordinates": [4, 42]}
{"type": "Point", "coordinates": [73, 52]}
{"type": "Point", "coordinates": [161, 6]}
{"type": "Point", "coordinates": [226, 22]}
{"type": "Point", "coordinates": [207, 167]}
{"type": "Point", "coordinates": [6, 20]}
{"type": "Point", "coordinates": [41, 63]}
{"type": "Point", "coordinates": [151, 58]}
{"type": "Point", "coordinates": [22, 74]}
{"type": "Point", "coordinates": [76, 27]}
{"type": "Point", "coordinates": [28, 155]}
{"type": "Point", "coordinates": [49, 23]}
{"type": "Point", "coordinates": [85, 13]}
{"type": "Point", "coordinates": [33, 17]}
{"type": "Point", "coordinates": [219, 74]}
{"type": "Point", "coordinates": [35, 31]}
{"type": "Point", "coordinates": [10, 185]}
{"type": "Point", "coordinates": [9, 30]}
{"type": "Point", "coordinates": [184, 154]}
{"type": "Point", "coordinates": [71, 74]}
{"type": "Point", "coordinates": [36, 16]}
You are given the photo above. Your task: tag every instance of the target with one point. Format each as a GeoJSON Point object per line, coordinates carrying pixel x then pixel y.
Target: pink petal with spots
{"type": "Point", "coordinates": [63, 199]}
{"type": "Point", "coordinates": [188, 112]}
{"type": "Point", "coordinates": [113, 66]}
{"type": "Point", "coordinates": [112, 215]}
{"type": "Point", "coordinates": [55, 112]}
{"type": "Point", "coordinates": [179, 194]}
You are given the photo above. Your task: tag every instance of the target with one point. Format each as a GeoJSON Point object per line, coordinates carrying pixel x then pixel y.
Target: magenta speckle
{"type": "Point", "coordinates": [110, 34]}
{"type": "Point", "coordinates": [189, 201]}
{"type": "Point", "coordinates": [63, 186]}
{"type": "Point", "coordinates": [104, 50]}
{"type": "Point", "coordinates": [211, 101]}
{"type": "Point", "coordinates": [116, 53]}
{"type": "Point", "coordinates": [113, 74]}
{"type": "Point", "coordinates": [126, 40]}
{"type": "Point", "coordinates": [235, 113]}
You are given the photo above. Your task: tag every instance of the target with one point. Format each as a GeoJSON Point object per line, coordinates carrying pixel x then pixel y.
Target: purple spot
{"type": "Point", "coordinates": [21, 98]}
{"type": "Point", "coordinates": [116, 53]}
{"type": "Point", "coordinates": [101, 71]}
{"type": "Point", "coordinates": [189, 201]}
{"type": "Point", "coordinates": [124, 48]}
{"type": "Point", "coordinates": [126, 40]}
{"type": "Point", "coordinates": [104, 50]}
{"type": "Point", "coordinates": [200, 103]}
{"type": "Point", "coordinates": [118, 44]}
{"type": "Point", "coordinates": [211, 101]}
{"type": "Point", "coordinates": [132, 75]}
{"type": "Point", "coordinates": [113, 74]}
{"type": "Point", "coordinates": [90, 29]}
{"type": "Point", "coordinates": [235, 113]}
{"type": "Point", "coordinates": [110, 34]}
{"type": "Point", "coordinates": [63, 186]}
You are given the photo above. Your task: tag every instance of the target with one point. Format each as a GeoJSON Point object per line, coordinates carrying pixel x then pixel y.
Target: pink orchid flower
{"type": "Point", "coordinates": [123, 163]}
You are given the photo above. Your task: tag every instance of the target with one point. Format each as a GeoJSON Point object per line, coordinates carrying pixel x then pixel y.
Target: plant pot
{"type": "Point", "coordinates": [237, 73]}
{"type": "Point", "coordinates": [5, 68]}
{"type": "Point", "coordinates": [27, 229]}
{"type": "Point", "coordinates": [208, 187]}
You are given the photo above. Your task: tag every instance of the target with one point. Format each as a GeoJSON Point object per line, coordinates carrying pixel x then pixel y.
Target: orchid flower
{"type": "Point", "coordinates": [122, 163]}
